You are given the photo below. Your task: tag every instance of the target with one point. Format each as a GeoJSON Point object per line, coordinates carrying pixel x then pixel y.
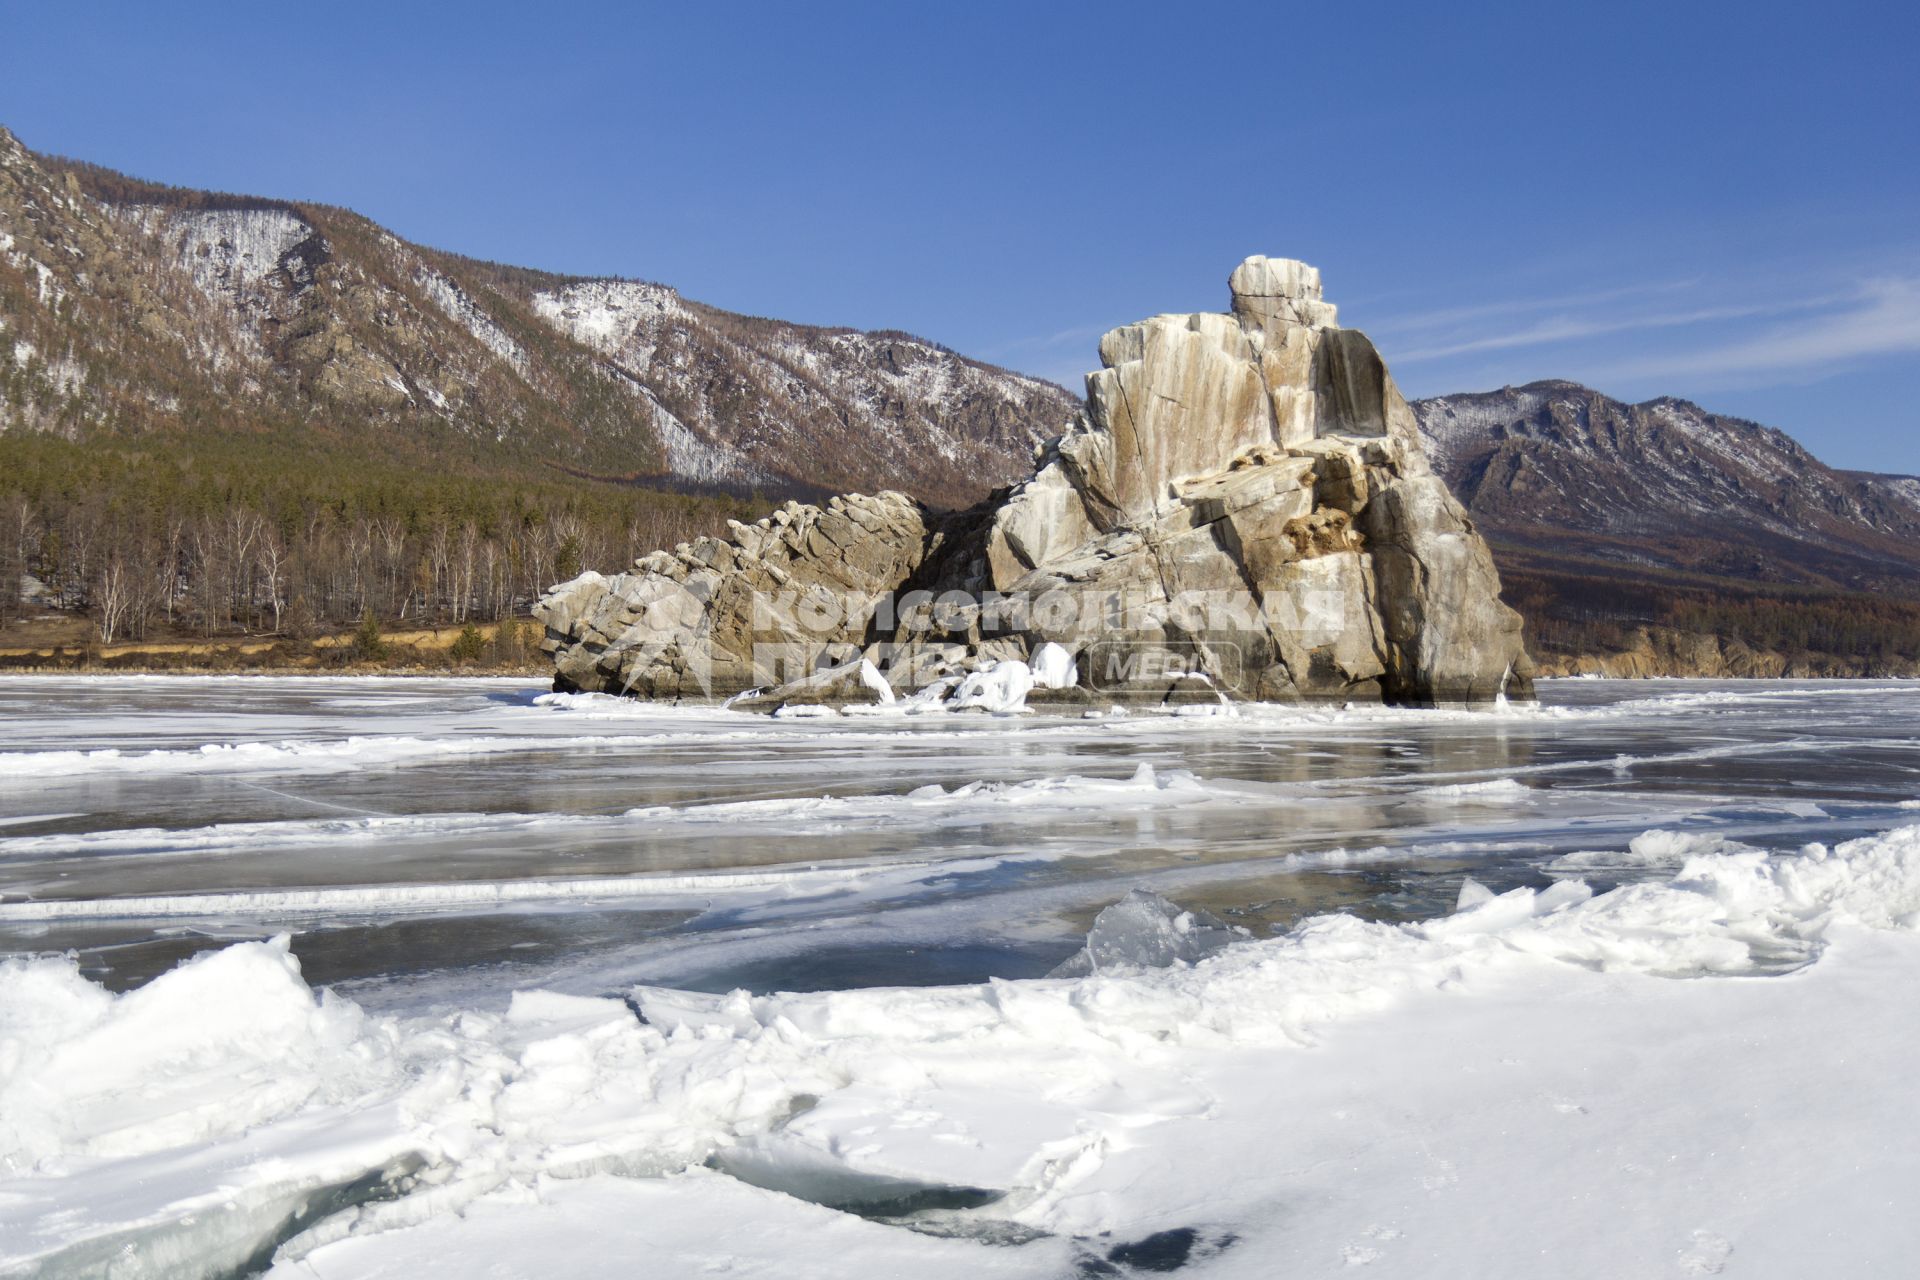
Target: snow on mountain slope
{"type": "Point", "coordinates": [1903, 491]}
{"type": "Point", "coordinates": [607, 315]}
{"type": "Point", "coordinates": [226, 251]}
{"type": "Point", "coordinates": [453, 300]}
{"type": "Point", "coordinates": [750, 394]}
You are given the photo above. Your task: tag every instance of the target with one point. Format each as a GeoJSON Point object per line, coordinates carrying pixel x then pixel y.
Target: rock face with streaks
{"type": "Point", "coordinates": [1244, 502]}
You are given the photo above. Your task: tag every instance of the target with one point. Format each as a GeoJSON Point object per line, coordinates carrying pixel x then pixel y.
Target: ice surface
{"type": "Point", "coordinates": [343, 756]}
{"type": "Point", "coordinates": [1517, 1086]}
{"type": "Point", "coordinates": [369, 899]}
{"type": "Point", "coordinates": [973, 801]}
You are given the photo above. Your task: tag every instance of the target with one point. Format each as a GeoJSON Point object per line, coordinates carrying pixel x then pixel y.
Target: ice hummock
{"type": "Point", "coordinates": [1053, 667]}
{"type": "Point", "coordinates": [1146, 931]}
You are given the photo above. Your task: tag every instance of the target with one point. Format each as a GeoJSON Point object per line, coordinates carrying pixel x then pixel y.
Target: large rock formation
{"type": "Point", "coordinates": [1246, 499]}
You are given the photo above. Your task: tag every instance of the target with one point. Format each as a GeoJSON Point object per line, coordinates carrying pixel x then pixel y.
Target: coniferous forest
{"type": "Point", "coordinates": [155, 540]}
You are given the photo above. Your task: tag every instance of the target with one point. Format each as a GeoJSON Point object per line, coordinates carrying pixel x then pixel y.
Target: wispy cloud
{"type": "Point", "coordinates": [1456, 317]}
{"type": "Point", "coordinates": [1883, 318]}
{"type": "Point", "coordinates": [1697, 333]}
{"type": "Point", "coordinates": [1078, 335]}
{"type": "Point", "coordinates": [1572, 328]}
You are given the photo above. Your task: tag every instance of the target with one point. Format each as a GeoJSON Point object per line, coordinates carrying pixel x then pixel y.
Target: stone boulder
{"type": "Point", "coordinates": [769, 603]}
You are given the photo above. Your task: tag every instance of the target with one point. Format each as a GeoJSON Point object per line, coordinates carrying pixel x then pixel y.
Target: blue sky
{"type": "Point", "coordinates": [1715, 201]}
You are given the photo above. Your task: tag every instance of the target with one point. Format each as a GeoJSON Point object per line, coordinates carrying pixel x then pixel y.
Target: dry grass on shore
{"type": "Point", "coordinates": [65, 643]}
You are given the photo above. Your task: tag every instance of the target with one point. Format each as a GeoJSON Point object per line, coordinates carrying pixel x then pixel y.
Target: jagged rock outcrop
{"type": "Point", "coordinates": [1246, 498]}
{"type": "Point", "coordinates": [769, 602]}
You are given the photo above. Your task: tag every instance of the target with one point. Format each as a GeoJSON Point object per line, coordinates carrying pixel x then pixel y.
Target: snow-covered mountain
{"type": "Point", "coordinates": [1555, 469]}
{"type": "Point", "coordinates": [131, 307]}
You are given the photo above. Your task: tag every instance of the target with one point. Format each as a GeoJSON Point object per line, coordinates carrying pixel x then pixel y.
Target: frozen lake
{"type": "Point", "coordinates": [435, 846]}
{"type": "Point", "coordinates": [196, 811]}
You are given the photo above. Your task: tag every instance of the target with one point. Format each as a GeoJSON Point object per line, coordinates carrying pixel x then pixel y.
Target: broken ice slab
{"type": "Point", "coordinates": [1145, 931]}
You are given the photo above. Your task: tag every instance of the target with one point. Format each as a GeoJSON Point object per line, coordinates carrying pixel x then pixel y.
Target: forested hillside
{"type": "Point", "coordinates": [257, 536]}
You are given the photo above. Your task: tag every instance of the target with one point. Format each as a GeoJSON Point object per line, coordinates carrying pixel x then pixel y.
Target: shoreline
{"type": "Point", "coordinates": [416, 672]}
{"type": "Point", "coordinates": [274, 673]}
{"type": "Point", "coordinates": [507, 648]}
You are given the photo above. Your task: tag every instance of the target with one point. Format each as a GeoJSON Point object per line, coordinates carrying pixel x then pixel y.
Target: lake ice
{"type": "Point", "coordinates": [1622, 984]}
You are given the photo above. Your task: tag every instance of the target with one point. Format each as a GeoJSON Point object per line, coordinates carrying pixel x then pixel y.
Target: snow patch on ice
{"type": "Point", "coordinates": [1495, 790]}
{"type": "Point", "coordinates": [1146, 786]}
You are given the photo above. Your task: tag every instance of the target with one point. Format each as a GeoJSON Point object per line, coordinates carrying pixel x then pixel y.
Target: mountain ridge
{"type": "Point", "coordinates": [1609, 518]}
{"type": "Point", "coordinates": [292, 313]}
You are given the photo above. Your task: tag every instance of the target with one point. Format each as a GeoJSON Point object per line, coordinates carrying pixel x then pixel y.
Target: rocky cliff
{"type": "Point", "coordinates": [1245, 504]}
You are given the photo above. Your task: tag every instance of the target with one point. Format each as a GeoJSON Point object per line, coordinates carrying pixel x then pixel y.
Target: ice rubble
{"type": "Point", "coordinates": [1053, 667]}
{"type": "Point", "coordinates": [118, 1113]}
{"type": "Point", "coordinates": [1656, 848]}
{"type": "Point", "coordinates": [1000, 689]}
{"type": "Point", "coordinates": [858, 687]}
